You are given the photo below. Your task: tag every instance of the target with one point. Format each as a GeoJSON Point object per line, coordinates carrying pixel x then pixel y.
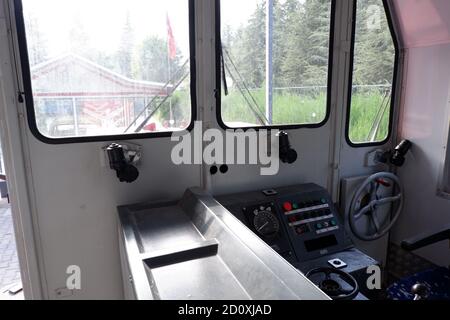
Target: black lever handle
{"type": "Point", "coordinates": [425, 240]}
{"type": "Point", "coordinates": [126, 172]}
{"type": "Point", "coordinates": [420, 292]}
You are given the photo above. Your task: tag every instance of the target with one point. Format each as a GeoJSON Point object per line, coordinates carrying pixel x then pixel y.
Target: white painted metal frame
{"type": "Point", "coordinates": [349, 161]}
{"type": "Point", "coordinates": [14, 141]}
{"type": "Point", "coordinates": [339, 93]}
{"type": "Point", "coordinates": [18, 140]}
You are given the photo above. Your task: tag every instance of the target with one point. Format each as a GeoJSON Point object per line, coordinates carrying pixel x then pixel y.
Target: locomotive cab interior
{"type": "Point", "coordinates": [225, 150]}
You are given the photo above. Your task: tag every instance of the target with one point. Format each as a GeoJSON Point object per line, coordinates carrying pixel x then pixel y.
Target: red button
{"type": "Point", "coordinates": [287, 206]}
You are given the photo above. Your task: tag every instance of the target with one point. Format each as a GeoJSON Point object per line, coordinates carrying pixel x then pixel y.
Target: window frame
{"type": "Point", "coordinates": [218, 91]}
{"type": "Point", "coordinates": [443, 188]}
{"type": "Point", "coordinates": [445, 178]}
{"type": "Point", "coordinates": [394, 80]}
{"type": "Point", "coordinates": [28, 91]}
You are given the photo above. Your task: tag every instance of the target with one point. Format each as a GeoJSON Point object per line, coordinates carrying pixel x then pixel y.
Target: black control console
{"type": "Point", "coordinates": [303, 226]}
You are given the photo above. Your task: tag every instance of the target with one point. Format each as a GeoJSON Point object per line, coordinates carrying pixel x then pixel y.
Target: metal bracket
{"type": "Point", "coordinates": [132, 152]}
{"type": "Point", "coordinates": [373, 158]}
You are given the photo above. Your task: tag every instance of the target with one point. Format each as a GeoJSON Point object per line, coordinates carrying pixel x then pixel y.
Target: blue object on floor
{"type": "Point", "coordinates": [3, 189]}
{"type": "Point", "coordinates": [436, 280]}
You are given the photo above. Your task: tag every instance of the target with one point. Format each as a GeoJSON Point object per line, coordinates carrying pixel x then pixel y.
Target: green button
{"type": "Point", "coordinates": [319, 226]}
{"type": "Point", "coordinates": [295, 206]}
{"type": "Point", "coordinates": [333, 223]}
{"type": "Point", "coordinates": [323, 200]}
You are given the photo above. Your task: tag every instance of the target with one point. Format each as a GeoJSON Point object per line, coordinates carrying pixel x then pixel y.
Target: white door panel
{"type": "Point", "coordinates": [76, 200]}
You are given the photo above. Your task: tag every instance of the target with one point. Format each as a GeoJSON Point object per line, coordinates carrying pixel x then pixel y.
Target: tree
{"type": "Point", "coordinates": [153, 60]}
{"type": "Point", "coordinates": [317, 30]}
{"type": "Point", "coordinates": [126, 48]}
{"type": "Point", "coordinates": [300, 44]}
{"type": "Point", "coordinates": [80, 41]}
{"type": "Point", "coordinates": [294, 65]}
{"type": "Point", "coordinates": [374, 48]}
{"type": "Point", "coordinates": [248, 49]}
{"type": "Point", "coordinates": [37, 44]}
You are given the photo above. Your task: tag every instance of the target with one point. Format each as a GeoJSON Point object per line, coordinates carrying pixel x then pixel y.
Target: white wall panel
{"type": "Point", "coordinates": [424, 22]}
{"type": "Point", "coordinates": [76, 205]}
{"type": "Point", "coordinates": [312, 146]}
{"type": "Point", "coordinates": [425, 121]}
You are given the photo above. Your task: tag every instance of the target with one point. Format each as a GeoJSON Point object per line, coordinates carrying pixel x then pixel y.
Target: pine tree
{"type": "Point", "coordinates": [374, 49]}
{"type": "Point", "coordinates": [317, 30]}
{"type": "Point", "coordinates": [152, 59]}
{"type": "Point", "coordinates": [302, 45]}
{"type": "Point", "coordinates": [126, 48]}
{"type": "Point", "coordinates": [37, 44]}
{"type": "Point", "coordinates": [294, 65]}
{"type": "Point", "coordinates": [249, 51]}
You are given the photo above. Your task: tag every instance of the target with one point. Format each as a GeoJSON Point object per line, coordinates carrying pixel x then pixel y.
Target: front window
{"type": "Point", "coordinates": [275, 55]}
{"type": "Point", "coordinates": [108, 68]}
{"type": "Point", "coordinates": [373, 75]}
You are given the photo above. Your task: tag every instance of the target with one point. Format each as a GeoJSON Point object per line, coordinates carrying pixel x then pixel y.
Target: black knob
{"type": "Point", "coordinates": [420, 291]}
{"type": "Point", "coordinates": [126, 172]}
{"type": "Point", "coordinates": [398, 156]}
{"type": "Point", "coordinates": [287, 153]}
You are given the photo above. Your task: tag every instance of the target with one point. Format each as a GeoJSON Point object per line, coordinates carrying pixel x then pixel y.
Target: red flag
{"type": "Point", "coordinates": [171, 40]}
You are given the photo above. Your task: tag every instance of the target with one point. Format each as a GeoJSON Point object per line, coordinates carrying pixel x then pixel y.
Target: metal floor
{"type": "Point", "coordinates": [9, 263]}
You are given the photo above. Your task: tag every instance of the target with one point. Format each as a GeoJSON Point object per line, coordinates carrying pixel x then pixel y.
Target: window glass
{"type": "Point", "coordinates": [275, 62]}
{"type": "Point", "coordinates": [446, 176]}
{"type": "Point", "coordinates": [373, 73]}
{"type": "Point", "coordinates": [101, 67]}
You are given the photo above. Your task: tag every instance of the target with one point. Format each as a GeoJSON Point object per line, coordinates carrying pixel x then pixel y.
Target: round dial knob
{"type": "Point", "coordinates": [266, 224]}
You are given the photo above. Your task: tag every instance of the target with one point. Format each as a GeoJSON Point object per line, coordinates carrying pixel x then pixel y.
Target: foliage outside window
{"type": "Point", "coordinates": [102, 67]}
{"type": "Point", "coordinates": [301, 45]}
{"type": "Point", "coordinates": [373, 73]}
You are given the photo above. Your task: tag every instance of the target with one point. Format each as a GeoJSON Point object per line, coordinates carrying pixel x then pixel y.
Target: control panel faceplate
{"type": "Point", "coordinates": [299, 222]}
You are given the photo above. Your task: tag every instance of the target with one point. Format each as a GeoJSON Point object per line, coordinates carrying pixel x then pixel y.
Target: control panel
{"type": "Point", "coordinates": [299, 222]}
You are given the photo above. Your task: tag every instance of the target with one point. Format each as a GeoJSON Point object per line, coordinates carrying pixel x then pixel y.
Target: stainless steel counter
{"type": "Point", "coordinates": [196, 249]}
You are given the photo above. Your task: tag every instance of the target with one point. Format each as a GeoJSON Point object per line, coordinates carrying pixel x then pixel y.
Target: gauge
{"type": "Point", "coordinates": [266, 224]}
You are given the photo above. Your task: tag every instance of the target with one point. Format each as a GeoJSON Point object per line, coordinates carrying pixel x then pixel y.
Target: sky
{"type": "Point", "coordinates": [237, 12]}
{"type": "Point", "coordinates": [104, 20]}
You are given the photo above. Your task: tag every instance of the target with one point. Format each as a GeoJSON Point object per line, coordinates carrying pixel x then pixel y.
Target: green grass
{"type": "Point", "coordinates": [363, 113]}
{"type": "Point", "coordinates": [291, 109]}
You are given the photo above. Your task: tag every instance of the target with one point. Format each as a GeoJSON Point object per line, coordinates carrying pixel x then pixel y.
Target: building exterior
{"type": "Point", "coordinates": [77, 97]}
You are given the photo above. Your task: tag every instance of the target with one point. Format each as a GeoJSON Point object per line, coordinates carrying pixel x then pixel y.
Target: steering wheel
{"type": "Point", "coordinates": [332, 287]}
{"type": "Point", "coordinates": [358, 209]}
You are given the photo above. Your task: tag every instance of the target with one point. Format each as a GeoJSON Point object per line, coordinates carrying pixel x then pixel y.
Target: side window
{"type": "Point", "coordinates": [447, 169]}
{"type": "Point", "coordinates": [275, 66]}
{"type": "Point", "coordinates": [373, 75]}
{"type": "Point", "coordinates": [97, 69]}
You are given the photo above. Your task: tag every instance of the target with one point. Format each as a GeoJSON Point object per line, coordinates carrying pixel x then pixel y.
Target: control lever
{"type": "Point", "coordinates": [287, 153]}
{"type": "Point", "coordinates": [126, 172]}
{"type": "Point", "coordinates": [397, 157]}
{"type": "Point", "coordinates": [420, 292]}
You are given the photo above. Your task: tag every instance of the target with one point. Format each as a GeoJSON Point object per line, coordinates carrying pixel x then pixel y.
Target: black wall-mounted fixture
{"type": "Point", "coordinates": [287, 153]}
{"type": "Point", "coordinates": [126, 172]}
{"type": "Point", "coordinates": [397, 157]}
